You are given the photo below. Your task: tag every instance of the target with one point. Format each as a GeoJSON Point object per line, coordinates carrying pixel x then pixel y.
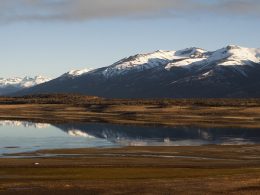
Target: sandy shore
{"type": "Point", "coordinates": [133, 170]}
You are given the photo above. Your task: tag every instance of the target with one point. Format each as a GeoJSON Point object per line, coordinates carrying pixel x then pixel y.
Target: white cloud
{"type": "Point", "coordinates": [77, 10]}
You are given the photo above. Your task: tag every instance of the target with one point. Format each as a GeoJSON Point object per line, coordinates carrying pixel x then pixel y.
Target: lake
{"type": "Point", "coordinates": [20, 136]}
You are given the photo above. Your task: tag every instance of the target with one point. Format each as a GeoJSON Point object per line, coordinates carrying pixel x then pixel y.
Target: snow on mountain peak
{"type": "Point", "coordinates": [236, 55]}
{"type": "Point", "coordinates": [232, 55]}
{"type": "Point", "coordinates": [29, 82]}
{"type": "Point", "coordinates": [158, 58]}
{"type": "Point", "coordinates": [192, 52]}
{"type": "Point", "coordinates": [140, 62]}
{"type": "Point", "coordinates": [184, 58]}
{"type": "Point", "coordinates": [20, 82]}
{"type": "Point", "coordinates": [230, 47]}
{"type": "Point", "coordinates": [76, 73]}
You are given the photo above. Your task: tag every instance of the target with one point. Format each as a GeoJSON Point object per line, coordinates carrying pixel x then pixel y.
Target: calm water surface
{"type": "Point", "coordinates": [17, 136]}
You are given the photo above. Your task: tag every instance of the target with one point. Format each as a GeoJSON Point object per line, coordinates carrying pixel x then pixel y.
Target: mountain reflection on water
{"type": "Point", "coordinates": [157, 135]}
{"type": "Point", "coordinates": [18, 136]}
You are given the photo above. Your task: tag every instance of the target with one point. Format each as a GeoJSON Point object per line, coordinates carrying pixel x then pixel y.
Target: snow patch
{"type": "Point", "coordinates": [76, 73]}
{"type": "Point", "coordinates": [183, 63]}
{"type": "Point", "coordinates": [192, 52]}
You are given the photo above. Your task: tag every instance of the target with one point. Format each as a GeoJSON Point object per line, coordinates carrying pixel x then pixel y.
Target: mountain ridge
{"type": "Point", "coordinates": [232, 71]}
{"type": "Point", "coordinates": [13, 84]}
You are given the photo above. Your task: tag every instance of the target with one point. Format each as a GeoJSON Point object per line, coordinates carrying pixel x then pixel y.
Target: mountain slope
{"type": "Point", "coordinates": [231, 71]}
{"type": "Point", "coordinates": [11, 85]}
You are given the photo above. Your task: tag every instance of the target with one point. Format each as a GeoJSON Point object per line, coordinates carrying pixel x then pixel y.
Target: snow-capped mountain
{"type": "Point", "coordinates": [232, 71]}
{"type": "Point", "coordinates": [188, 58]}
{"type": "Point", "coordinates": [14, 84]}
{"type": "Point", "coordinates": [76, 73]}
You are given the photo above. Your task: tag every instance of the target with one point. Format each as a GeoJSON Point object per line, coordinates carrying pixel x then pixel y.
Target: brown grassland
{"type": "Point", "coordinates": [241, 113]}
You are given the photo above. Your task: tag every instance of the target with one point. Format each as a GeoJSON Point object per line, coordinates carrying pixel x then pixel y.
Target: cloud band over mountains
{"type": "Point", "coordinates": [80, 10]}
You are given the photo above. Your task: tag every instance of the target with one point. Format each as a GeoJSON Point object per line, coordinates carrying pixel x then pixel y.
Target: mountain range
{"type": "Point", "coordinates": [11, 85]}
{"type": "Point", "coordinates": [229, 72]}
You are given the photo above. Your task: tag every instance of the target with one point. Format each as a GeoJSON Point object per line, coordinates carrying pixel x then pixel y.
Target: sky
{"type": "Point", "coordinates": [51, 37]}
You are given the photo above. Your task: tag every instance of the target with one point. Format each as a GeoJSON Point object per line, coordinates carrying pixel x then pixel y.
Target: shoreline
{"type": "Point", "coordinates": [174, 151]}
{"type": "Point", "coordinates": [203, 151]}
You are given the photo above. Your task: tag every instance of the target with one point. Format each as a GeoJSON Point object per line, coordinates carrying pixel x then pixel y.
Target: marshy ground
{"type": "Point", "coordinates": [134, 170]}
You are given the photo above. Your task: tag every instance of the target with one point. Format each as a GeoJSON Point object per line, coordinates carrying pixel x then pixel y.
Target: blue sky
{"type": "Point", "coordinates": [44, 44]}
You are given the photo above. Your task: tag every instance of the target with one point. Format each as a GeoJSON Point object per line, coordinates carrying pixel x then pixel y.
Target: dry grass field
{"type": "Point", "coordinates": [243, 113]}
